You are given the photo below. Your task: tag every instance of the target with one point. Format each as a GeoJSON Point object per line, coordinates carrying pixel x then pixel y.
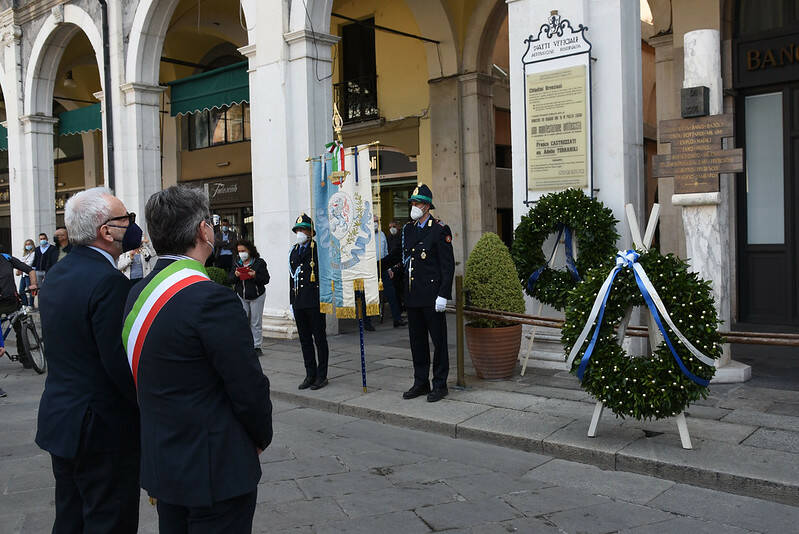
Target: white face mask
{"type": "Point", "coordinates": [393, 230]}
{"type": "Point", "coordinates": [244, 256]}
{"type": "Point", "coordinates": [302, 237]}
{"type": "Point", "coordinates": [416, 213]}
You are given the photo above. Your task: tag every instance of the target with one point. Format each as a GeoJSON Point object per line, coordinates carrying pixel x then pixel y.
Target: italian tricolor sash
{"type": "Point", "coordinates": [165, 285]}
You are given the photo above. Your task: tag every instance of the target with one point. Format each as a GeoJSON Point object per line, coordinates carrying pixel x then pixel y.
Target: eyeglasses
{"type": "Point", "coordinates": [131, 217]}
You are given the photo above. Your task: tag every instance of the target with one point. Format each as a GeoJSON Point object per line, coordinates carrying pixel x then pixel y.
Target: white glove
{"type": "Point", "coordinates": [441, 304]}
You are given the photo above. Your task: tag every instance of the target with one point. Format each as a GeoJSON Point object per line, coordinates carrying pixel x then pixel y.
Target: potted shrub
{"type": "Point", "coordinates": [491, 282]}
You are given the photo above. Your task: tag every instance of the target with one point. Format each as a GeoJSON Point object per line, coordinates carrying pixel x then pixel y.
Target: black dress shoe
{"type": "Point", "coordinates": [259, 352]}
{"type": "Point", "coordinates": [401, 322]}
{"type": "Point", "coordinates": [319, 384]}
{"type": "Point", "coordinates": [437, 394]}
{"type": "Point", "coordinates": [416, 391]}
{"type": "Point", "coordinates": [308, 382]}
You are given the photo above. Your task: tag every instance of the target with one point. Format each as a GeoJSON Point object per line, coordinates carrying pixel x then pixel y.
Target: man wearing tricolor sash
{"type": "Point", "coordinates": [203, 398]}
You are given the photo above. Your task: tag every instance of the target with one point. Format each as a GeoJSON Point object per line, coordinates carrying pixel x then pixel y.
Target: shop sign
{"type": "Point", "coordinates": [233, 190]}
{"type": "Point", "coordinates": [557, 87]}
{"type": "Point", "coordinates": [766, 61]}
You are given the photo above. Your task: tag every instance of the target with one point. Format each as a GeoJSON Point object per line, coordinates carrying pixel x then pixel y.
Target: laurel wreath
{"type": "Point", "coordinates": [646, 387]}
{"type": "Point", "coordinates": [593, 226]}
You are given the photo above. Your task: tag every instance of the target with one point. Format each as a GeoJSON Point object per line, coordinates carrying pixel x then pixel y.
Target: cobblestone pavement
{"type": "Point", "coordinates": [328, 473]}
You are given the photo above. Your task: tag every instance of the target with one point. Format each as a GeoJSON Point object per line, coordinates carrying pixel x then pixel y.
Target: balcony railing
{"type": "Point", "coordinates": [357, 99]}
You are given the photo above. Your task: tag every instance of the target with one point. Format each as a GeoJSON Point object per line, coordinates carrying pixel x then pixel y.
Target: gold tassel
{"type": "Point", "coordinates": [380, 285]}
{"type": "Point", "coordinates": [313, 271]}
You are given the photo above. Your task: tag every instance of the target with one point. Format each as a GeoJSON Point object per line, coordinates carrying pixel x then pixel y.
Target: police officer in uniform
{"type": "Point", "coordinates": [429, 267]}
{"type": "Point", "coordinates": [304, 298]}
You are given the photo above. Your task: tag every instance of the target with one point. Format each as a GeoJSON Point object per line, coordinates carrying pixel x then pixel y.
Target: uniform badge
{"type": "Point", "coordinates": [423, 255]}
{"type": "Point", "coordinates": [415, 192]}
{"type": "Point", "coordinates": [449, 239]}
{"type": "Point", "coordinates": [299, 219]}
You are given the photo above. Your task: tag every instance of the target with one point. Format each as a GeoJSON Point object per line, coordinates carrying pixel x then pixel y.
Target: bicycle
{"type": "Point", "coordinates": [30, 344]}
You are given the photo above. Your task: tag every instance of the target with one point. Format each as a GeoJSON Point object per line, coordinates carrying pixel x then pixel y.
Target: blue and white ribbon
{"type": "Point", "coordinates": [655, 305]}
{"type": "Point", "coordinates": [570, 266]}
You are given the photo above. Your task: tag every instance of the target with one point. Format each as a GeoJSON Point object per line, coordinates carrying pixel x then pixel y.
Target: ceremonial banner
{"type": "Point", "coordinates": [343, 212]}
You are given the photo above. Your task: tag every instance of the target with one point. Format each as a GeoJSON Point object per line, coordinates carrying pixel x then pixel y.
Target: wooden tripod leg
{"type": "Point", "coordinates": [595, 419]}
{"type": "Point", "coordinates": [530, 344]}
{"type": "Point", "coordinates": [682, 426]}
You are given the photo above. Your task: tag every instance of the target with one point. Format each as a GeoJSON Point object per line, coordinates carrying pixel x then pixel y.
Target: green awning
{"type": "Point", "coordinates": [3, 137]}
{"type": "Point", "coordinates": [81, 120]}
{"type": "Point", "coordinates": [220, 87]}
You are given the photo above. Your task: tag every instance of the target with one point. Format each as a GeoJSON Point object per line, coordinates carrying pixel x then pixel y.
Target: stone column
{"type": "Point", "coordinates": [672, 237]}
{"type": "Point", "coordinates": [447, 158]}
{"type": "Point", "coordinates": [139, 147]}
{"type": "Point", "coordinates": [291, 112]}
{"type": "Point", "coordinates": [706, 215]}
{"type": "Point", "coordinates": [92, 159]}
{"type": "Point", "coordinates": [37, 197]}
{"type": "Point", "coordinates": [479, 155]}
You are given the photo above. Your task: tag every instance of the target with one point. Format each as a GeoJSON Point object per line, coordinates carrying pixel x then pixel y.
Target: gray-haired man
{"type": "Point", "coordinates": [88, 417]}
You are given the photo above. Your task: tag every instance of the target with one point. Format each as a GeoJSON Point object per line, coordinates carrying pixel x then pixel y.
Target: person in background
{"type": "Point", "coordinates": [25, 279]}
{"type": "Point", "coordinates": [393, 258]}
{"type": "Point", "coordinates": [88, 415]}
{"type": "Point", "coordinates": [9, 301]}
{"type": "Point", "coordinates": [383, 264]}
{"type": "Point", "coordinates": [61, 238]}
{"type": "Point", "coordinates": [225, 245]}
{"type": "Point", "coordinates": [45, 256]}
{"type": "Point", "coordinates": [304, 298]}
{"type": "Point", "coordinates": [250, 276]}
{"type": "Point", "coordinates": [138, 263]}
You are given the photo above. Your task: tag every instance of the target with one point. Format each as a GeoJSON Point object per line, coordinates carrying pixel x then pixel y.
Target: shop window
{"type": "Point", "coordinates": [230, 124]}
{"type": "Point", "coordinates": [757, 16]}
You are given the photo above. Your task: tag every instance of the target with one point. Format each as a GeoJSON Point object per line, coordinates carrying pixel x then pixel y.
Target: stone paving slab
{"type": "Point", "coordinates": [769, 438]}
{"type": "Point", "coordinates": [607, 517]}
{"type": "Point", "coordinates": [521, 430]}
{"type": "Point", "coordinates": [572, 442]}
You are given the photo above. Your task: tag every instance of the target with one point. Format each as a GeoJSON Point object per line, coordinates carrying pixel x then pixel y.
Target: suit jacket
{"type": "Point", "coordinates": [203, 397]}
{"type": "Point", "coordinates": [306, 293]}
{"type": "Point", "coordinates": [231, 245]}
{"type": "Point", "coordinates": [44, 261]}
{"type": "Point", "coordinates": [430, 268]}
{"type": "Point", "coordinates": [89, 388]}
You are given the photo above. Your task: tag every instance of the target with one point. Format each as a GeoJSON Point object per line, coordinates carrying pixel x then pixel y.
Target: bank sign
{"type": "Point", "coordinates": [557, 98]}
{"type": "Point", "coordinates": [766, 61]}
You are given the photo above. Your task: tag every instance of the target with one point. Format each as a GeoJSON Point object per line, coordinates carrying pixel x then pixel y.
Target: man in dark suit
{"type": "Point", "coordinates": [226, 243]}
{"type": "Point", "coordinates": [429, 265]}
{"type": "Point", "coordinates": [304, 298]}
{"type": "Point", "coordinates": [88, 418]}
{"type": "Point", "coordinates": [204, 400]}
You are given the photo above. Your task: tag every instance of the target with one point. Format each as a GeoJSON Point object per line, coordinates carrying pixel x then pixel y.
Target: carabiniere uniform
{"type": "Point", "coordinates": [429, 266]}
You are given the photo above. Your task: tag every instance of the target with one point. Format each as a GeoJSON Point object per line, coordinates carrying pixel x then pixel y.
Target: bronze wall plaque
{"type": "Point", "coordinates": [696, 158]}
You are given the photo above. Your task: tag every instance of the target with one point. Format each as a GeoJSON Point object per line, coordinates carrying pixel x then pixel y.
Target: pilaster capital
{"type": "Point", "coordinates": [248, 51]}
{"type": "Point", "coordinates": [38, 124]}
{"type": "Point", "coordinates": [99, 95]}
{"type": "Point", "coordinates": [11, 34]}
{"type": "Point", "coordinates": [142, 94]}
{"type": "Point", "coordinates": [659, 41]}
{"type": "Point", "coordinates": [696, 199]}
{"type": "Point", "coordinates": [308, 44]}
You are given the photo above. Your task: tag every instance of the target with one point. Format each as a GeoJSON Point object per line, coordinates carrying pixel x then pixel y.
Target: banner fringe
{"type": "Point", "coordinates": [345, 313]}
{"type": "Point", "coordinates": [326, 307]}
{"type": "Point", "coordinates": [373, 309]}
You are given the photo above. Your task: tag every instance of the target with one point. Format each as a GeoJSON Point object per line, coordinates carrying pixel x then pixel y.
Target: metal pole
{"type": "Point", "coordinates": [459, 328]}
{"type": "Point", "coordinates": [359, 314]}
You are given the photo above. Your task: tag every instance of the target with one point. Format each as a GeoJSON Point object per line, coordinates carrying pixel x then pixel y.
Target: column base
{"type": "Point", "coordinates": [732, 373]}
{"type": "Point", "coordinates": [279, 327]}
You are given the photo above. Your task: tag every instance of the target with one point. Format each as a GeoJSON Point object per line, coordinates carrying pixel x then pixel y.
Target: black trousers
{"type": "Point", "coordinates": [97, 492]}
{"type": "Point", "coordinates": [311, 327]}
{"type": "Point", "coordinates": [421, 322]}
{"type": "Point", "coordinates": [224, 262]}
{"type": "Point", "coordinates": [233, 516]}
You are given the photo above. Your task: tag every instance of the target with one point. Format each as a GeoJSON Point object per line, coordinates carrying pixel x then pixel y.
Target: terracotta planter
{"type": "Point", "coordinates": [494, 351]}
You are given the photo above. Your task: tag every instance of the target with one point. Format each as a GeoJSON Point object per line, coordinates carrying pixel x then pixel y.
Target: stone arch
{"type": "Point", "coordinates": [147, 34]}
{"type": "Point", "coordinates": [481, 35]}
{"type": "Point", "coordinates": [46, 53]}
{"type": "Point", "coordinates": [431, 16]}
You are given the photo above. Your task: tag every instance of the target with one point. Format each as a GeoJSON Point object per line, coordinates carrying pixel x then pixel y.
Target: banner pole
{"type": "Point", "coordinates": [359, 309]}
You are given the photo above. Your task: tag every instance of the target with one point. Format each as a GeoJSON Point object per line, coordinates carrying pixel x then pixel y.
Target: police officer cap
{"type": "Point", "coordinates": [303, 221]}
{"type": "Point", "coordinates": [422, 194]}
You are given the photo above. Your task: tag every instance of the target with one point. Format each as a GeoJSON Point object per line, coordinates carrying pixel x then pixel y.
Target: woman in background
{"type": "Point", "coordinates": [250, 276]}
{"type": "Point", "coordinates": [25, 280]}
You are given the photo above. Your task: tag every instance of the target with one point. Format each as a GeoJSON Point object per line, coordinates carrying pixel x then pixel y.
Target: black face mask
{"type": "Point", "coordinates": [132, 238]}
